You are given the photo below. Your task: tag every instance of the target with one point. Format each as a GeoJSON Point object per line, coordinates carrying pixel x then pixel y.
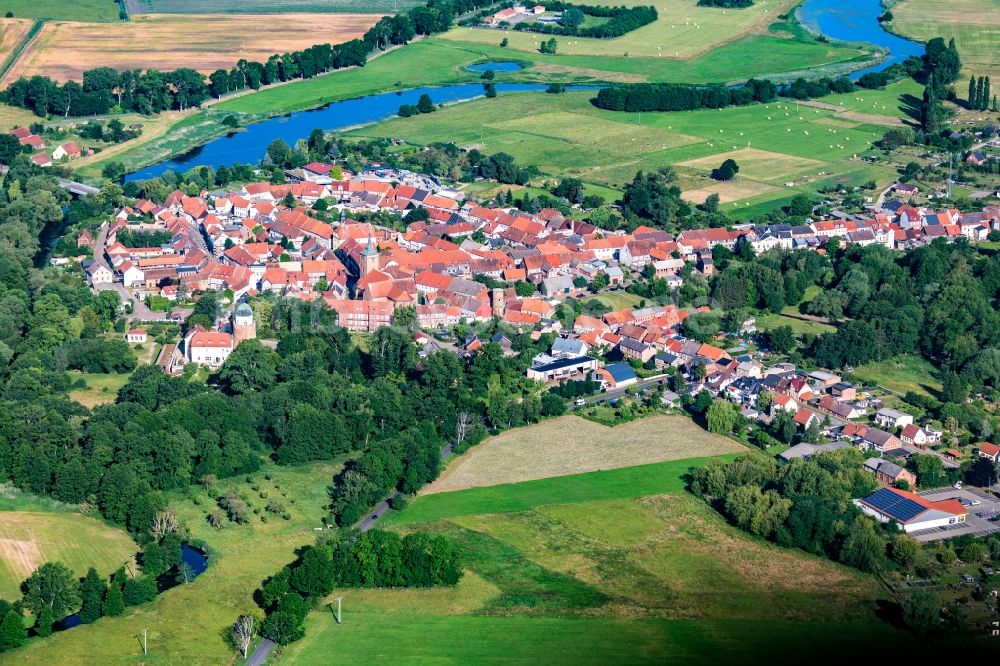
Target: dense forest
{"type": "Point", "coordinates": [105, 89]}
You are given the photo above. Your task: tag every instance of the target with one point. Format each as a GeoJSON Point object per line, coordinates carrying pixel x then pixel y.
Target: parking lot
{"type": "Point", "coordinates": [982, 508]}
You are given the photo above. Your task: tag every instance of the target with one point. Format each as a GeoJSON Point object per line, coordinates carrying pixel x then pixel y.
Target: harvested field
{"type": "Point", "coordinates": [30, 538]}
{"type": "Point", "coordinates": [12, 33]}
{"type": "Point", "coordinates": [733, 190]}
{"type": "Point", "coordinates": [974, 24]}
{"type": "Point", "coordinates": [571, 445]}
{"type": "Point", "coordinates": [266, 6]}
{"type": "Point", "coordinates": [758, 164]}
{"type": "Point", "coordinates": [64, 49]}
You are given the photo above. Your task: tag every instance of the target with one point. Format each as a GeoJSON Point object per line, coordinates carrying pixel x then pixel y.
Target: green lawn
{"type": "Point", "coordinates": [902, 374]}
{"type": "Point", "coordinates": [617, 300]}
{"type": "Point", "coordinates": [626, 482]}
{"type": "Point", "coordinates": [766, 322]}
{"type": "Point", "coordinates": [188, 624]}
{"type": "Point", "coordinates": [29, 539]}
{"type": "Point", "coordinates": [70, 10]}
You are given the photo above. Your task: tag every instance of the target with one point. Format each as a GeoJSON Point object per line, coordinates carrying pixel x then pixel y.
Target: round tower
{"type": "Point", "coordinates": [244, 326]}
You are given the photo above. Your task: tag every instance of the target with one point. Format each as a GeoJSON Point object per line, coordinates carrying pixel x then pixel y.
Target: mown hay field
{"type": "Point", "coordinates": [682, 30]}
{"type": "Point", "coordinates": [571, 445]}
{"type": "Point", "coordinates": [65, 49]}
{"type": "Point", "coordinates": [31, 538]}
{"type": "Point", "coordinates": [974, 24]}
{"type": "Point", "coordinates": [567, 579]}
{"type": "Point", "coordinates": [12, 33]}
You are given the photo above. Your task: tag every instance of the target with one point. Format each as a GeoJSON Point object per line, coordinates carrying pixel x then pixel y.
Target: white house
{"type": "Point", "coordinates": [98, 273]}
{"type": "Point", "coordinates": [911, 512]}
{"type": "Point", "coordinates": [210, 348]}
{"type": "Point", "coordinates": [892, 418]}
{"type": "Point", "coordinates": [136, 335]}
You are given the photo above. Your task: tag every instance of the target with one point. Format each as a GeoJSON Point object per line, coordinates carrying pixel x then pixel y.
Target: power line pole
{"type": "Point", "coordinates": [144, 651]}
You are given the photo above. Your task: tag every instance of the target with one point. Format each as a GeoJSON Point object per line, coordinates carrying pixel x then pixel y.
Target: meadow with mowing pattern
{"type": "Point", "coordinates": [682, 30]}
{"type": "Point", "coordinates": [571, 444]}
{"type": "Point", "coordinates": [619, 566]}
{"type": "Point", "coordinates": [782, 148]}
{"type": "Point", "coordinates": [974, 25]}
{"type": "Point", "coordinates": [30, 538]}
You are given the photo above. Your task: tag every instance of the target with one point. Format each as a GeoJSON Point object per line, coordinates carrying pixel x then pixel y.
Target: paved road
{"type": "Point", "coordinates": [259, 655]}
{"type": "Point", "coordinates": [641, 385]}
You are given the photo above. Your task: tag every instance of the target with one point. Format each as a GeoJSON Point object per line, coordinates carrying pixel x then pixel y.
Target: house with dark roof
{"type": "Point", "coordinates": [890, 473]}
{"type": "Point", "coordinates": [911, 512]}
{"type": "Point", "coordinates": [616, 376]}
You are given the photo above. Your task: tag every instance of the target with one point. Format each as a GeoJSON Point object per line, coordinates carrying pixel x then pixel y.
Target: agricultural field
{"type": "Point", "coordinates": [902, 374]}
{"type": "Point", "coordinates": [616, 566]}
{"type": "Point", "coordinates": [188, 624]}
{"type": "Point", "coordinates": [12, 33]}
{"type": "Point", "coordinates": [31, 538]}
{"type": "Point", "coordinates": [974, 24]}
{"type": "Point", "coordinates": [64, 49]}
{"type": "Point", "coordinates": [69, 10]}
{"type": "Point", "coordinates": [782, 148]}
{"type": "Point", "coordinates": [266, 6]}
{"type": "Point", "coordinates": [571, 445]}
{"type": "Point", "coordinates": [683, 31]}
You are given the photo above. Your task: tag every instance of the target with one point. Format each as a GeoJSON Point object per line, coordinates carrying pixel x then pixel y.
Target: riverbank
{"type": "Point", "coordinates": [435, 63]}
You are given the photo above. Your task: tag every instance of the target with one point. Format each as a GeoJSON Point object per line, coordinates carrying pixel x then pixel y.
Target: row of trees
{"type": "Point", "coordinates": [979, 93]}
{"type": "Point", "coordinates": [941, 67]}
{"type": "Point", "coordinates": [728, 4]}
{"type": "Point", "coordinates": [105, 89]}
{"type": "Point", "coordinates": [679, 97]}
{"type": "Point", "coordinates": [366, 559]}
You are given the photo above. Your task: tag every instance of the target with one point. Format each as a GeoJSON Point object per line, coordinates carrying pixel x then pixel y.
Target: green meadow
{"type": "Point", "coordinates": [69, 10]}
{"type": "Point", "coordinates": [782, 148]}
{"type": "Point", "coordinates": [620, 566]}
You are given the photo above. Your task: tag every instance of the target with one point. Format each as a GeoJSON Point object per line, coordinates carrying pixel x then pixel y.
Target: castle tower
{"type": "Point", "coordinates": [369, 258]}
{"type": "Point", "coordinates": [499, 301]}
{"type": "Point", "coordinates": [244, 326]}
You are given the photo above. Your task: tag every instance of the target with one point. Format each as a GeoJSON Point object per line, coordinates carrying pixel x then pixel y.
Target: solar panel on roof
{"type": "Point", "coordinates": [899, 507]}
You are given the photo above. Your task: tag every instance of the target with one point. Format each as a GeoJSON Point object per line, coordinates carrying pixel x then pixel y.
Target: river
{"type": "Point", "coordinates": [845, 20]}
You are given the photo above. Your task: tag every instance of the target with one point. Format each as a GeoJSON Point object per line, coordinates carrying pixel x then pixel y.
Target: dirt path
{"type": "Point", "coordinates": [844, 113]}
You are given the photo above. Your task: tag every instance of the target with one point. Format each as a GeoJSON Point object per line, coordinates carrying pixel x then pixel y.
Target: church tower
{"type": "Point", "coordinates": [499, 299]}
{"type": "Point", "coordinates": [244, 326]}
{"type": "Point", "coordinates": [369, 258]}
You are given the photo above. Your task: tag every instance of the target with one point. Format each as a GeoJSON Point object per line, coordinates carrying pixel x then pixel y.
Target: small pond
{"type": "Point", "coordinates": [502, 66]}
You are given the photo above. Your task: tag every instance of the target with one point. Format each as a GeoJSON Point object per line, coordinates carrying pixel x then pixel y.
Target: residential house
{"type": "Point", "coordinates": [136, 336]}
{"type": "Point", "coordinates": [892, 418]}
{"type": "Point", "coordinates": [890, 473]}
{"type": "Point", "coordinates": [989, 451]}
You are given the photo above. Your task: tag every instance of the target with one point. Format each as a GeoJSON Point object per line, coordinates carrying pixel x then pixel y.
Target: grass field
{"type": "Point", "coordinates": [683, 30]}
{"type": "Point", "coordinates": [101, 388]}
{"type": "Point", "coordinates": [767, 321]}
{"type": "Point", "coordinates": [974, 24]}
{"type": "Point", "coordinates": [266, 6]}
{"type": "Point", "coordinates": [782, 149]}
{"type": "Point", "coordinates": [601, 568]}
{"type": "Point", "coordinates": [188, 623]}
{"type": "Point", "coordinates": [626, 482]}
{"type": "Point", "coordinates": [30, 538]}
{"type": "Point", "coordinates": [70, 10]}
{"type": "Point", "coordinates": [65, 49]}
{"type": "Point", "coordinates": [902, 374]}
{"type": "Point", "coordinates": [571, 445]}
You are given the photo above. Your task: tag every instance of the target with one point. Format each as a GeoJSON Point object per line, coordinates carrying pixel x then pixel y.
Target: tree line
{"type": "Point", "coordinates": [681, 97]}
{"type": "Point", "coordinates": [104, 89]}
{"type": "Point", "coordinates": [728, 4]}
{"type": "Point", "coordinates": [621, 20]}
{"type": "Point", "coordinates": [979, 93]}
{"type": "Point", "coordinates": [366, 559]}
